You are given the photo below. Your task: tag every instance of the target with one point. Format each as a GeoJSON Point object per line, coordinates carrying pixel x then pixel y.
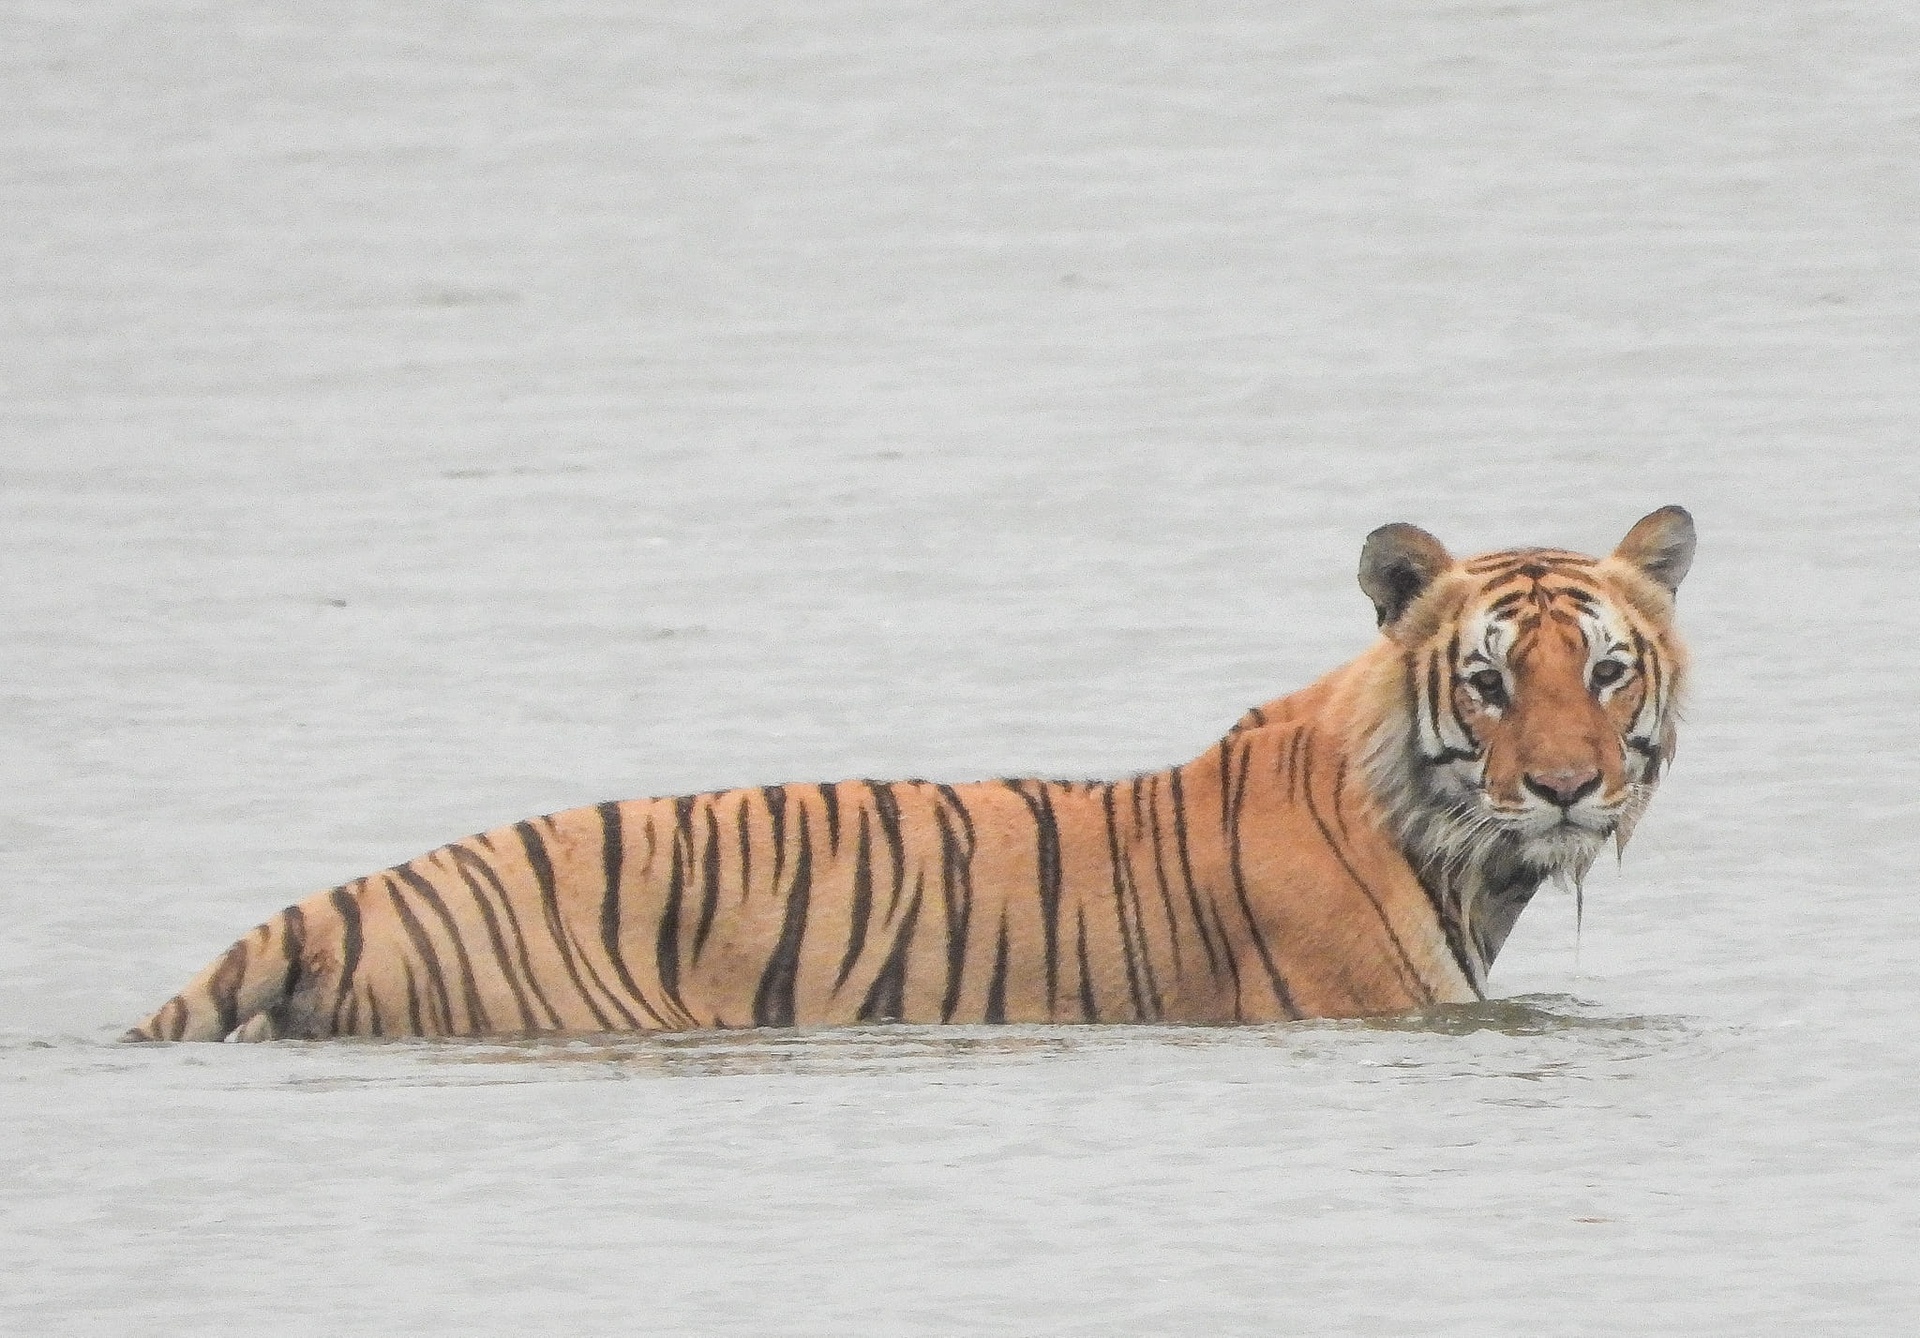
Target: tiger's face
{"type": "Point", "coordinates": [1543, 687]}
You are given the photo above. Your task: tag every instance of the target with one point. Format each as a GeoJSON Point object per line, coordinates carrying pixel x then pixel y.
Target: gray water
{"type": "Point", "coordinates": [413, 418]}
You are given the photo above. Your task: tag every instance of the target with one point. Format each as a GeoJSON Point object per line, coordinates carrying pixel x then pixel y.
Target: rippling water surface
{"type": "Point", "coordinates": [416, 419]}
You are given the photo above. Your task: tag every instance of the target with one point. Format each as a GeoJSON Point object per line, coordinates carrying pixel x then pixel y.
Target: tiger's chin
{"type": "Point", "coordinates": [1565, 852]}
{"type": "Point", "coordinates": [1463, 829]}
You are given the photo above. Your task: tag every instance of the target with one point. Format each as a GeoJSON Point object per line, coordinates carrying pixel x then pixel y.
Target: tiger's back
{"type": "Point", "coordinates": [841, 903]}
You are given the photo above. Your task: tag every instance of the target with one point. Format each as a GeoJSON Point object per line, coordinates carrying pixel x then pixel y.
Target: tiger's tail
{"type": "Point", "coordinates": [243, 995]}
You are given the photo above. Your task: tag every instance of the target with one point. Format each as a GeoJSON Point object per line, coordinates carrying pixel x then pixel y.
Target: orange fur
{"type": "Point", "coordinates": [1313, 863]}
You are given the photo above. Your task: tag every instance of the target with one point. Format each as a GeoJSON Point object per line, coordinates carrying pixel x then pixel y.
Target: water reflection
{"type": "Point", "coordinates": [898, 1049]}
{"type": "Point", "coordinates": [1532, 1037]}
{"type": "Point", "coordinates": [1521, 1015]}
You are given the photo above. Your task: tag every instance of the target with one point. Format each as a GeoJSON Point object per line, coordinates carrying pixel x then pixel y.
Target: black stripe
{"type": "Point", "coordinates": [350, 939]}
{"type": "Point", "coordinates": [1448, 751]}
{"type": "Point", "coordinates": [1659, 679]}
{"type": "Point", "coordinates": [1492, 562]}
{"type": "Point", "coordinates": [182, 1016]}
{"type": "Point", "coordinates": [1089, 1011]}
{"type": "Point", "coordinates": [666, 946]}
{"type": "Point", "coordinates": [886, 1000]}
{"type": "Point", "coordinates": [1232, 796]}
{"type": "Point", "coordinates": [1140, 932]}
{"type": "Point", "coordinates": [1177, 795]}
{"type": "Point", "coordinates": [468, 862]}
{"type": "Point", "coordinates": [1339, 809]}
{"type": "Point", "coordinates": [1047, 861]}
{"type": "Point", "coordinates": [429, 958]}
{"type": "Point", "coordinates": [744, 828]}
{"type": "Point", "coordinates": [224, 987]}
{"type": "Point", "coordinates": [1136, 797]}
{"type": "Point", "coordinates": [495, 938]}
{"type": "Point", "coordinates": [1433, 700]}
{"type": "Point", "coordinates": [1166, 889]}
{"type": "Point", "coordinates": [1649, 657]}
{"type": "Point", "coordinates": [1642, 653]}
{"type": "Point", "coordinates": [709, 878]}
{"type": "Point", "coordinates": [887, 809]}
{"type": "Point", "coordinates": [476, 1011]}
{"type": "Point", "coordinates": [862, 906]}
{"type": "Point", "coordinates": [549, 892]}
{"type": "Point", "coordinates": [1446, 910]}
{"type": "Point", "coordinates": [1651, 751]}
{"type": "Point", "coordinates": [830, 795]}
{"type": "Point", "coordinates": [414, 1025]}
{"type": "Point", "coordinates": [997, 983]}
{"type": "Point", "coordinates": [293, 947]}
{"type": "Point", "coordinates": [542, 866]}
{"type": "Point", "coordinates": [612, 865]}
{"type": "Point", "coordinates": [773, 1002]}
{"type": "Point", "coordinates": [956, 888]}
{"type": "Point", "coordinates": [1132, 936]}
{"type": "Point", "coordinates": [1214, 946]}
{"type": "Point", "coordinates": [1408, 971]}
{"type": "Point", "coordinates": [966, 815]}
{"type": "Point", "coordinates": [1295, 742]}
{"type": "Point", "coordinates": [1453, 699]}
{"type": "Point", "coordinates": [776, 801]}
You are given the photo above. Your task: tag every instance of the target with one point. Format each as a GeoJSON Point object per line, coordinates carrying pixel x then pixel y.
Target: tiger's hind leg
{"type": "Point", "coordinates": [298, 1017]}
{"type": "Point", "coordinates": [270, 985]}
{"type": "Point", "coordinates": [259, 1027]}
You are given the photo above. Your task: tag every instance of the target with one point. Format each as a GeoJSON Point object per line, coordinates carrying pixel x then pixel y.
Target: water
{"type": "Point", "coordinates": [418, 419]}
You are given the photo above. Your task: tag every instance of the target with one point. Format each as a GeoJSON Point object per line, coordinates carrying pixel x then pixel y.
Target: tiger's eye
{"type": "Point", "coordinates": [1491, 687]}
{"type": "Point", "coordinates": [1607, 672]}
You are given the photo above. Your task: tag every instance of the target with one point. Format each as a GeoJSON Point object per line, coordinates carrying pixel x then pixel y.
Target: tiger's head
{"type": "Point", "coordinates": [1539, 692]}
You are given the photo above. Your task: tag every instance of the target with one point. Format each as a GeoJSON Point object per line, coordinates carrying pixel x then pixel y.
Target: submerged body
{"type": "Point", "coordinates": [1359, 847]}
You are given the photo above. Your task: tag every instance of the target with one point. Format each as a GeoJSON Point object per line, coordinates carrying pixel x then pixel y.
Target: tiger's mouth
{"type": "Point", "coordinates": [1552, 839]}
{"type": "Point", "coordinates": [1567, 843]}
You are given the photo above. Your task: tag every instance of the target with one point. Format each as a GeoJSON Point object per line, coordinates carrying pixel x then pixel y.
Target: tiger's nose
{"type": "Point", "coordinates": [1565, 787]}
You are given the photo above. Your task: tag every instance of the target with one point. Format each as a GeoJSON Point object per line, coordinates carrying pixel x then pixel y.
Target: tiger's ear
{"type": "Point", "coordinates": [1397, 564]}
{"type": "Point", "coordinates": [1661, 545]}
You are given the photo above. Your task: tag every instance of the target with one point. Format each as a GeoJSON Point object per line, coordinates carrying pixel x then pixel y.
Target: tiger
{"type": "Point", "coordinates": [1360, 847]}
